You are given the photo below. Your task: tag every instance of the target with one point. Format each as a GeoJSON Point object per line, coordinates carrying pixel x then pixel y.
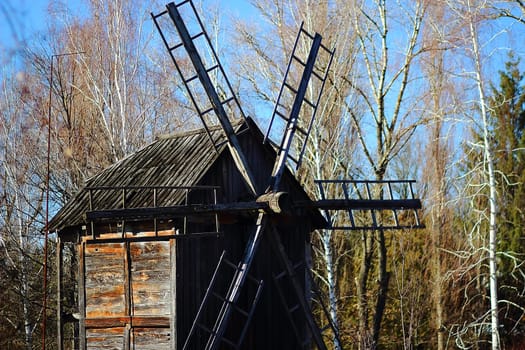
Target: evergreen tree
{"type": "Point", "coordinates": [508, 120]}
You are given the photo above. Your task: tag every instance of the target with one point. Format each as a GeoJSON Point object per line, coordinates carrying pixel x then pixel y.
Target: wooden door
{"type": "Point", "coordinates": [128, 295]}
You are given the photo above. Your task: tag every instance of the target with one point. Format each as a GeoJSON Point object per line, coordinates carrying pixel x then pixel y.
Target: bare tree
{"type": "Point", "coordinates": [437, 174]}
{"type": "Point", "coordinates": [21, 208]}
{"type": "Point", "coordinates": [330, 146]}
{"type": "Point", "coordinates": [514, 9]}
{"type": "Point", "coordinates": [384, 88]}
{"type": "Point", "coordinates": [473, 14]}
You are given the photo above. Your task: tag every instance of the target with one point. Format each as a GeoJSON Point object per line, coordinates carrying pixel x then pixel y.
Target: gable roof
{"type": "Point", "coordinates": [177, 160]}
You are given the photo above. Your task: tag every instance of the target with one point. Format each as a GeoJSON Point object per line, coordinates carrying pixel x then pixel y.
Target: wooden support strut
{"type": "Point", "coordinates": [272, 202]}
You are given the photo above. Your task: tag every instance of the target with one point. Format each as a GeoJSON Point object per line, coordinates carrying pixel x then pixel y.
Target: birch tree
{"type": "Point", "coordinates": [384, 87]}
{"type": "Point", "coordinates": [514, 9]}
{"type": "Point", "coordinates": [473, 14]}
{"type": "Point", "coordinates": [21, 202]}
{"type": "Point", "coordinates": [122, 84]}
{"type": "Point", "coordinates": [330, 146]}
{"type": "Point", "coordinates": [490, 173]}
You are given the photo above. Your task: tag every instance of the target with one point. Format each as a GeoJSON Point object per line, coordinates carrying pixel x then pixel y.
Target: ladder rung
{"type": "Point", "coordinates": [318, 76]}
{"type": "Point", "coordinates": [226, 301]}
{"type": "Point", "coordinates": [302, 131]}
{"type": "Point", "coordinates": [308, 102]}
{"type": "Point", "coordinates": [206, 329]}
{"type": "Point", "coordinates": [159, 15]}
{"type": "Point", "coordinates": [232, 265]}
{"type": "Point", "coordinates": [191, 79]}
{"type": "Point", "coordinates": [182, 3]}
{"type": "Point", "coordinates": [280, 275]}
{"type": "Point", "coordinates": [281, 105]}
{"type": "Point", "coordinates": [197, 35]}
{"type": "Point", "coordinates": [211, 108]}
{"type": "Point", "coordinates": [290, 87]}
{"type": "Point", "coordinates": [221, 298]}
{"type": "Point", "coordinates": [299, 60]}
{"type": "Point", "coordinates": [296, 266]}
{"type": "Point", "coordinates": [207, 111]}
{"type": "Point", "coordinates": [175, 47]}
{"type": "Point", "coordinates": [330, 52]}
{"type": "Point", "coordinates": [212, 68]}
{"type": "Point", "coordinates": [253, 279]}
{"type": "Point", "coordinates": [293, 159]}
{"type": "Point", "coordinates": [229, 342]}
{"type": "Point", "coordinates": [227, 100]}
{"type": "Point", "coordinates": [243, 312]}
{"type": "Point", "coordinates": [281, 115]}
{"type": "Point", "coordinates": [307, 34]}
{"type": "Point", "coordinates": [293, 308]}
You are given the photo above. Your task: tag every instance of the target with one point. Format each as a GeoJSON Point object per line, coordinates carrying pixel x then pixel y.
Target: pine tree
{"type": "Point", "coordinates": [508, 121]}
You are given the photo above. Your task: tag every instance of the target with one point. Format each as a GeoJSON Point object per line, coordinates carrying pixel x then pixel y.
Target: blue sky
{"type": "Point", "coordinates": [23, 19]}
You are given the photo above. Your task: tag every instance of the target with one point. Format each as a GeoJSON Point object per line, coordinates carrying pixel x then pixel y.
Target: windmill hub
{"type": "Point", "coordinates": [278, 202]}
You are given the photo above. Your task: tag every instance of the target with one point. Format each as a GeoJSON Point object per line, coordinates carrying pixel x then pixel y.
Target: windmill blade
{"type": "Point", "coordinates": [214, 102]}
{"type": "Point", "coordinates": [237, 284]}
{"type": "Point", "coordinates": [298, 291]}
{"type": "Point", "coordinates": [291, 113]}
{"type": "Point", "coordinates": [368, 204]}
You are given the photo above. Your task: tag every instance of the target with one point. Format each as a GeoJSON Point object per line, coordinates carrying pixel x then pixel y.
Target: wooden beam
{"type": "Point", "coordinates": [137, 321]}
{"type": "Point", "coordinates": [361, 204]}
{"type": "Point", "coordinates": [173, 211]}
{"type": "Point", "coordinates": [121, 239]}
{"type": "Point", "coordinates": [112, 215]}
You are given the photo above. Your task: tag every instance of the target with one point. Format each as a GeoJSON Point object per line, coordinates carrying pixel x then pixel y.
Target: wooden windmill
{"type": "Point", "coordinates": [131, 222]}
{"type": "Point", "coordinates": [290, 112]}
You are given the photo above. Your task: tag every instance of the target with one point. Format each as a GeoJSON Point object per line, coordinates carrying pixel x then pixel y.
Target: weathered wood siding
{"type": "Point", "coordinates": [150, 278]}
{"type": "Point", "coordinates": [105, 338]}
{"type": "Point", "coordinates": [105, 280]}
{"type": "Point", "coordinates": [128, 295]}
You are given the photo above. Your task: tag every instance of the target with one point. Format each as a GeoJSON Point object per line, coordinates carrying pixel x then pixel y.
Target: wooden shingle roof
{"type": "Point", "coordinates": [176, 160]}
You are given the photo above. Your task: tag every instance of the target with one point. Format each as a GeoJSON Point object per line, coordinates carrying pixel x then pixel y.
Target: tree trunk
{"type": "Point", "coordinates": [383, 281]}
{"type": "Point", "coordinates": [331, 284]}
{"type": "Point", "coordinates": [365, 338]}
{"type": "Point", "coordinates": [489, 159]}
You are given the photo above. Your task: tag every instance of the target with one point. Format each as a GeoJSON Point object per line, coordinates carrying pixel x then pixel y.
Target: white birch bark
{"type": "Point", "coordinates": [489, 164]}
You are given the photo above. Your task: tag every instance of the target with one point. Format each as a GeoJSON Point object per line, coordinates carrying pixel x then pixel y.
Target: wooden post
{"type": "Point", "coordinates": [127, 294]}
{"type": "Point", "coordinates": [82, 296]}
{"type": "Point", "coordinates": [173, 292]}
{"type": "Point", "coordinates": [60, 321]}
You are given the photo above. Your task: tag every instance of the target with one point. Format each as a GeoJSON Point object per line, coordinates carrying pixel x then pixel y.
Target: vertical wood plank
{"type": "Point", "coordinates": [127, 292]}
{"type": "Point", "coordinates": [60, 323]}
{"type": "Point", "coordinates": [82, 296]}
{"type": "Point", "coordinates": [127, 337]}
{"type": "Point", "coordinates": [173, 296]}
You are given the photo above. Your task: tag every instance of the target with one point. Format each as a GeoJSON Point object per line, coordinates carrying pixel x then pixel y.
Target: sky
{"type": "Point", "coordinates": [22, 20]}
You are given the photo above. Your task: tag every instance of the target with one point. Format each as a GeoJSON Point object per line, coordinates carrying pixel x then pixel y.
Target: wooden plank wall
{"type": "Point", "coordinates": [128, 295]}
